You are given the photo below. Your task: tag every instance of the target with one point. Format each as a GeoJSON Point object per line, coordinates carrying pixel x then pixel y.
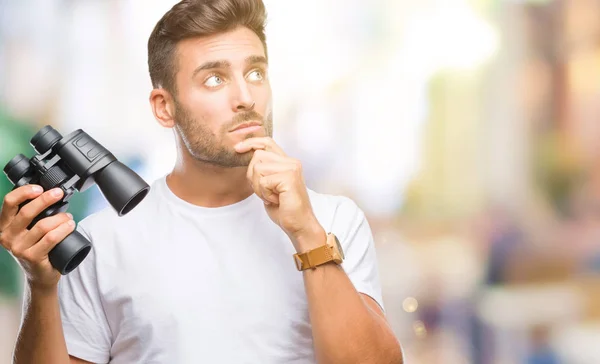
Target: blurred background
{"type": "Point", "coordinates": [468, 131]}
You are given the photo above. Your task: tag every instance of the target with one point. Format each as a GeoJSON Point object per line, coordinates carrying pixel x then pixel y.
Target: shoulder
{"type": "Point", "coordinates": [333, 204]}
{"type": "Point", "coordinates": [335, 210]}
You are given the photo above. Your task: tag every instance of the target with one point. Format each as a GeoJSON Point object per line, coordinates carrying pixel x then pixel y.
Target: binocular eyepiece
{"type": "Point", "coordinates": [73, 163]}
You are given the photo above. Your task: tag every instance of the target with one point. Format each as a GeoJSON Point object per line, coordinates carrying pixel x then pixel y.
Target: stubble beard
{"type": "Point", "coordinates": [204, 146]}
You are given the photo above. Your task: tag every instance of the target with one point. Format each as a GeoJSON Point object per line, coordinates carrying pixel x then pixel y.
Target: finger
{"type": "Point", "coordinates": [50, 240]}
{"type": "Point", "coordinates": [35, 207]}
{"type": "Point", "coordinates": [263, 169]}
{"type": "Point", "coordinates": [43, 227]}
{"type": "Point", "coordinates": [266, 194]}
{"type": "Point", "coordinates": [274, 182]}
{"type": "Point", "coordinates": [264, 143]}
{"type": "Point", "coordinates": [277, 183]}
{"type": "Point", "coordinates": [12, 200]}
{"type": "Point", "coordinates": [267, 168]}
{"type": "Point", "coordinates": [262, 156]}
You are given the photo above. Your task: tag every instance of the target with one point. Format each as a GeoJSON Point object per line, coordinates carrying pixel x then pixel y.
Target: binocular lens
{"type": "Point", "coordinates": [17, 168]}
{"type": "Point", "coordinates": [122, 187]}
{"type": "Point", "coordinates": [70, 252]}
{"type": "Point", "coordinates": [44, 139]}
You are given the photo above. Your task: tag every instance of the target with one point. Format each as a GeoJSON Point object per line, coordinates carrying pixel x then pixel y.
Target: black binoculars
{"type": "Point", "coordinates": [74, 163]}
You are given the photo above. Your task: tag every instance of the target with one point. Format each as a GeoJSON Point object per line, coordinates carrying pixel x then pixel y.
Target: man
{"type": "Point", "coordinates": [230, 258]}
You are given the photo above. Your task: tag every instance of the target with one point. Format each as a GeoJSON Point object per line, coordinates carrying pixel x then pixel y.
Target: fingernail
{"type": "Point", "coordinates": [37, 189]}
{"type": "Point", "coordinates": [57, 192]}
{"type": "Point", "coordinates": [238, 145]}
{"type": "Point", "coordinates": [69, 215]}
{"type": "Point", "coordinates": [71, 223]}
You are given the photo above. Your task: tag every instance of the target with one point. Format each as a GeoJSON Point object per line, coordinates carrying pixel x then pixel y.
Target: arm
{"type": "Point", "coordinates": [41, 337]}
{"type": "Point", "coordinates": [348, 327]}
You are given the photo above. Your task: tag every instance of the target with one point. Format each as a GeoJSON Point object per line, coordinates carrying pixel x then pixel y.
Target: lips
{"type": "Point", "coordinates": [246, 125]}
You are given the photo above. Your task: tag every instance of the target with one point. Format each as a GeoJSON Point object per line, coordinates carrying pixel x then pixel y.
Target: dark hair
{"type": "Point", "coordinates": [197, 18]}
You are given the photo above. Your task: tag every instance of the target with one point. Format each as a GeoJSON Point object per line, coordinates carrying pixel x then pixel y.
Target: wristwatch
{"type": "Point", "coordinates": [330, 252]}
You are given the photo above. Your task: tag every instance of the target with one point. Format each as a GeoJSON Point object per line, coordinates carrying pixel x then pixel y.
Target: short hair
{"type": "Point", "coordinates": [197, 18]}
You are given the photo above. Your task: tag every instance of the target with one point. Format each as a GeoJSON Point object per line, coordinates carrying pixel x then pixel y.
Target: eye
{"type": "Point", "coordinates": [213, 81]}
{"type": "Point", "coordinates": [256, 75]}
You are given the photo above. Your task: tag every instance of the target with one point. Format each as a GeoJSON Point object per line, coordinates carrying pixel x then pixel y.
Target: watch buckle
{"type": "Point", "coordinates": [298, 262]}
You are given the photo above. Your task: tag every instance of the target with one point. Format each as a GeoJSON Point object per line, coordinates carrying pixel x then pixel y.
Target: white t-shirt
{"type": "Point", "coordinates": [175, 283]}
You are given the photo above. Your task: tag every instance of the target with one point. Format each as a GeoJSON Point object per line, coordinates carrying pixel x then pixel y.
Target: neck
{"type": "Point", "coordinates": [208, 185]}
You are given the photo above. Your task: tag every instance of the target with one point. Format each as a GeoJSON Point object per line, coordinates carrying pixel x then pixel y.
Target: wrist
{"type": "Point", "coordinates": [310, 238]}
{"type": "Point", "coordinates": [38, 289]}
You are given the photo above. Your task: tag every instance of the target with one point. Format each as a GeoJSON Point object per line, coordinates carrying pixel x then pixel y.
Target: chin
{"type": "Point", "coordinates": [241, 137]}
{"type": "Point", "coordinates": [244, 159]}
{"type": "Point", "coordinates": [260, 133]}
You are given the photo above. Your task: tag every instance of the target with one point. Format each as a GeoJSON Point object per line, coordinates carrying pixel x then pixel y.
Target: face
{"type": "Point", "coordinates": [223, 96]}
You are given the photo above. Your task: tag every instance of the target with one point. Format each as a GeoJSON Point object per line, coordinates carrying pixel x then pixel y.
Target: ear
{"type": "Point", "coordinates": [162, 107]}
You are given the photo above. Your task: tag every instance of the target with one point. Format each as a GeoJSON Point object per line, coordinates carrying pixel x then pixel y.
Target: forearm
{"type": "Point", "coordinates": [345, 329]}
{"type": "Point", "coordinates": [41, 338]}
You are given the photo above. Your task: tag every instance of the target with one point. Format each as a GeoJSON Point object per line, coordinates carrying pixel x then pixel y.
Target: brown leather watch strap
{"type": "Point", "coordinates": [313, 258]}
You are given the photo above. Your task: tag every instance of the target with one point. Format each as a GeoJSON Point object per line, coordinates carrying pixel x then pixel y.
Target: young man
{"type": "Point", "coordinates": [230, 258]}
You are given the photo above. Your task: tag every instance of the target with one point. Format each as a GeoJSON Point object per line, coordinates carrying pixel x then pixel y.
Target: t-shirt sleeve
{"type": "Point", "coordinates": [86, 329]}
{"type": "Point", "coordinates": [351, 227]}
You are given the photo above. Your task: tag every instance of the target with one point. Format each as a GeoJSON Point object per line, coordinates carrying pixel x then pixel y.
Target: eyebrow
{"type": "Point", "coordinates": [225, 64]}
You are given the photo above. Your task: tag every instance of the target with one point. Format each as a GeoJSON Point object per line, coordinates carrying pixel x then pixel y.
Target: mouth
{"type": "Point", "coordinates": [251, 125]}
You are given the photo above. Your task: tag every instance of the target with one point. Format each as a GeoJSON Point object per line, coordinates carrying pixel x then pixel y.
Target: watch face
{"type": "Point", "coordinates": [339, 247]}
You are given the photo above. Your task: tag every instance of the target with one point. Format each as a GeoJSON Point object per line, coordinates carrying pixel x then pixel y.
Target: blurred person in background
{"type": "Point", "coordinates": [543, 352]}
{"type": "Point", "coordinates": [230, 258]}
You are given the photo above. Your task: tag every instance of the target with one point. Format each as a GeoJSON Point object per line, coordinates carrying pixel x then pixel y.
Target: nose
{"type": "Point", "coordinates": [242, 98]}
